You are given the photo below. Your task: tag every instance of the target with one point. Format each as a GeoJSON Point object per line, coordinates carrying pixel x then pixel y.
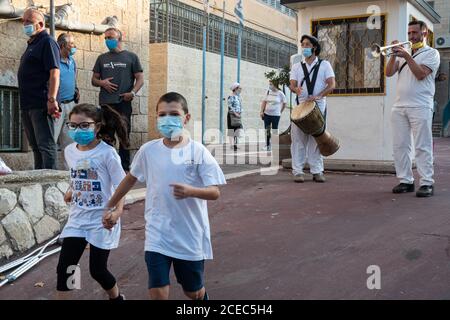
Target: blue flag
{"type": "Point", "coordinates": [239, 12]}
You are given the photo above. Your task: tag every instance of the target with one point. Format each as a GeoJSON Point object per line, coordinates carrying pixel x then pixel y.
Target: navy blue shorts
{"type": "Point", "coordinates": [188, 273]}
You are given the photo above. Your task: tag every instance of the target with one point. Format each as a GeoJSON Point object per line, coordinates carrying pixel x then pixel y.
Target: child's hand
{"type": "Point", "coordinates": [68, 196]}
{"type": "Point", "coordinates": [110, 219]}
{"type": "Point", "coordinates": [182, 191]}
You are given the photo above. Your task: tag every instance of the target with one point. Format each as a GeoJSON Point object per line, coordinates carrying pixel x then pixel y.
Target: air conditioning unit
{"type": "Point", "coordinates": [442, 41]}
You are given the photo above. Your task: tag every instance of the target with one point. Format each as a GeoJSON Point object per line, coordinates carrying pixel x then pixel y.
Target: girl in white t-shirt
{"type": "Point", "coordinates": [95, 172]}
{"type": "Point", "coordinates": [272, 107]}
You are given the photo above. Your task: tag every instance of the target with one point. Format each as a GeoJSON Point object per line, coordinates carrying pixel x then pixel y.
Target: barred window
{"type": "Point", "coordinates": [176, 22]}
{"type": "Point", "coordinates": [346, 44]}
{"type": "Point", "coordinates": [10, 124]}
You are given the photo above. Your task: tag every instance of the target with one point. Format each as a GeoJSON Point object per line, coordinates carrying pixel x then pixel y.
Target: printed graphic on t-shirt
{"type": "Point", "coordinates": [113, 65]}
{"type": "Point", "coordinates": [86, 186]}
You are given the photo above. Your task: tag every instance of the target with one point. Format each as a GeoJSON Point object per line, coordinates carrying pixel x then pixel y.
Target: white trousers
{"type": "Point", "coordinates": [304, 149]}
{"type": "Point", "coordinates": [415, 121]}
{"type": "Point", "coordinates": [60, 133]}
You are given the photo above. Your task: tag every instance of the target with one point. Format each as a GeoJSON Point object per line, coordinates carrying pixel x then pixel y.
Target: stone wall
{"type": "Point", "coordinates": [32, 209]}
{"type": "Point", "coordinates": [133, 16]}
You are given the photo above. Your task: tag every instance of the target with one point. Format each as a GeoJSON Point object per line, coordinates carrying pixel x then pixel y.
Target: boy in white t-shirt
{"type": "Point", "coordinates": [180, 175]}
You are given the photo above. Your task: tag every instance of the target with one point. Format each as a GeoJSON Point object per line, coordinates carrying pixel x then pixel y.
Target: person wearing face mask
{"type": "Point", "coordinates": [412, 112]}
{"type": "Point", "coordinates": [181, 175]}
{"type": "Point", "coordinates": [312, 80]}
{"type": "Point", "coordinates": [120, 76]}
{"type": "Point", "coordinates": [68, 94]}
{"type": "Point", "coordinates": [272, 107]}
{"type": "Point", "coordinates": [38, 78]}
{"type": "Point", "coordinates": [234, 111]}
{"type": "Point", "coordinates": [95, 172]}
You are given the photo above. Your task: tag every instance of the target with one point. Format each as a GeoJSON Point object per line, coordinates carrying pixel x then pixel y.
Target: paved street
{"type": "Point", "coordinates": [274, 239]}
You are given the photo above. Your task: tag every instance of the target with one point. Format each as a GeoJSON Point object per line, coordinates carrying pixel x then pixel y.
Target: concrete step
{"type": "Point", "coordinates": [367, 166]}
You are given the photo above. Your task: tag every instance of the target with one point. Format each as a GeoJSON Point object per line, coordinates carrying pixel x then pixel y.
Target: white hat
{"type": "Point", "coordinates": [234, 86]}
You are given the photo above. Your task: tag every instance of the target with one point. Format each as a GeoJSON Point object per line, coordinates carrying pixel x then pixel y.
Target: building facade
{"type": "Point", "coordinates": [359, 109]}
{"type": "Point", "coordinates": [176, 57]}
{"type": "Point", "coordinates": [133, 19]}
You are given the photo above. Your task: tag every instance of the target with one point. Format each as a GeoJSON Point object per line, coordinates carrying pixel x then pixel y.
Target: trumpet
{"type": "Point", "coordinates": [387, 51]}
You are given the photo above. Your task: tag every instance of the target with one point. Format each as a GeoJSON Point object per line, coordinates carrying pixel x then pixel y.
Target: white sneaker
{"type": "Point", "coordinates": [267, 148]}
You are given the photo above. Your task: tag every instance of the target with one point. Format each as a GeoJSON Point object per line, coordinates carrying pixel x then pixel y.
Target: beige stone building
{"type": "Point", "coordinates": [269, 39]}
{"type": "Point", "coordinates": [84, 17]}
{"type": "Point", "coordinates": [166, 36]}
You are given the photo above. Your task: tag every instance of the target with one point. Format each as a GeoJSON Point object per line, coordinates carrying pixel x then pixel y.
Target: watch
{"type": "Point", "coordinates": [51, 100]}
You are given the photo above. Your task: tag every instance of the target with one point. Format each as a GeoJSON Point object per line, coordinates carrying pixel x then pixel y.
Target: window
{"type": "Point", "coordinates": [176, 22]}
{"type": "Point", "coordinates": [346, 43]}
{"type": "Point", "coordinates": [10, 125]}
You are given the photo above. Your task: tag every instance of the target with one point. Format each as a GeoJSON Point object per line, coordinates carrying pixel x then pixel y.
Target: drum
{"type": "Point", "coordinates": [309, 119]}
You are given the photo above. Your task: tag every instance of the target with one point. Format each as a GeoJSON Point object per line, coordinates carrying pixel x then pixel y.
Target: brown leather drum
{"type": "Point", "coordinates": [309, 119]}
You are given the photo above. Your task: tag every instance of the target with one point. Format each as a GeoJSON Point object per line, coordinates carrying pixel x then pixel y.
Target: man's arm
{"type": "Point", "coordinates": [392, 66]}
{"type": "Point", "coordinates": [105, 83]}
{"type": "Point", "coordinates": [331, 84]}
{"type": "Point", "coordinates": [419, 71]}
{"type": "Point", "coordinates": [139, 81]}
{"type": "Point", "coordinates": [53, 87]}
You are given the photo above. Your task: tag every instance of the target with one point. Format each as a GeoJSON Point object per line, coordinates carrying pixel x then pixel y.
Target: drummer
{"type": "Point", "coordinates": [312, 80]}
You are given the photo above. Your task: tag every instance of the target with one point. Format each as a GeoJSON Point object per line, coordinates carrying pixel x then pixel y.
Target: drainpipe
{"type": "Point", "coordinates": [62, 22]}
{"type": "Point", "coordinates": [7, 10]}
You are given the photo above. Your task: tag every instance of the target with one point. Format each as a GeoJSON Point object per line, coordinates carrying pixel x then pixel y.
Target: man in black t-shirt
{"type": "Point", "coordinates": [119, 75]}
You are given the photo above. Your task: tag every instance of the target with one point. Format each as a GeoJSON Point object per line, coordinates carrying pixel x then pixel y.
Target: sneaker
{"type": "Point", "coordinates": [120, 297]}
{"type": "Point", "coordinates": [425, 191]}
{"type": "Point", "coordinates": [319, 177]}
{"type": "Point", "coordinates": [267, 148]}
{"type": "Point", "coordinates": [299, 178]}
{"type": "Point", "coordinates": [403, 188]}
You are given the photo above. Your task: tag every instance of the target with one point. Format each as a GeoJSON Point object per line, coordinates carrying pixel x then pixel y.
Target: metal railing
{"type": "Point", "coordinates": [10, 123]}
{"type": "Point", "coordinates": [176, 22]}
{"type": "Point", "coordinates": [346, 43]}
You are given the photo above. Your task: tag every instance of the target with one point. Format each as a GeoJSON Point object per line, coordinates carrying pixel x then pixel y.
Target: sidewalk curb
{"type": "Point", "coordinates": [139, 194]}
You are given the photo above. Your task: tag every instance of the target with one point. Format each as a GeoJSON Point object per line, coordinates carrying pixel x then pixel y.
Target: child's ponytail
{"type": "Point", "coordinates": [113, 123]}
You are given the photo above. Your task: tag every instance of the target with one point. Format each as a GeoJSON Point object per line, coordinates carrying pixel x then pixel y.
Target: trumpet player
{"type": "Point", "coordinates": [412, 111]}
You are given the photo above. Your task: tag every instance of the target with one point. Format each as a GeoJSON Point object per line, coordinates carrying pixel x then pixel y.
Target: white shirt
{"type": "Point", "coordinates": [325, 72]}
{"type": "Point", "coordinates": [94, 176]}
{"type": "Point", "coordinates": [176, 228]}
{"type": "Point", "coordinates": [274, 102]}
{"type": "Point", "coordinates": [415, 93]}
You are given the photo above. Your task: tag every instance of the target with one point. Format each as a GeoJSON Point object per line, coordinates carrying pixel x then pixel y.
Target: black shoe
{"type": "Point", "coordinates": [425, 191]}
{"type": "Point", "coordinates": [403, 188]}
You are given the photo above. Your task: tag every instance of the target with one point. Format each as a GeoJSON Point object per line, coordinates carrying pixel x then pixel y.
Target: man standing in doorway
{"type": "Point", "coordinates": [38, 86]}
{"type": "Point", "coordinates": [119, 75]}
{"type": "Point", "coordinates": [412, 112]}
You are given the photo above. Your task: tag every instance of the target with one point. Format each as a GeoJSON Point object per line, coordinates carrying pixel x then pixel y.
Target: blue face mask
{"type": "Point", "coordinates": [111, 44]}
{"type": "Point", "coordinates": [28, 30]}
{"type": "Point", "coordinates": [170, 126]}
{"type": "Point", "coordinates": [73, 51]}
{"type": "Point", "coordinates": [307, 52]}
{"type": "Point", "coordinates": [82, 137]}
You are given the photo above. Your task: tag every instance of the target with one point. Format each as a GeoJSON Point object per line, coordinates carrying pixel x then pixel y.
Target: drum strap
{"type": "Point", "coordinates": [310, 84]}
{"type": "Point", "coordinates": [405, 63]}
